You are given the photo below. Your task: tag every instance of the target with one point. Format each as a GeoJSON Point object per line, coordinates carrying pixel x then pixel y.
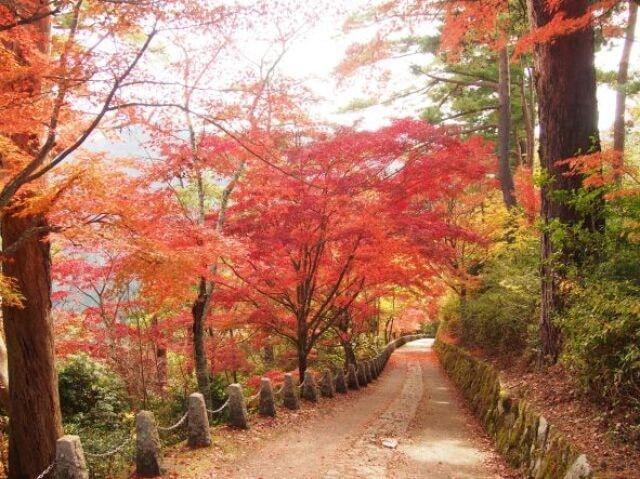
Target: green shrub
{"type": "Point", "coordinates": [89, 392]}
{"type": "Point", "coordinates": [602, 340]}
{"type": "Point", "coordinates": [500, 314]}
{"type": "Point", "coordinates": [430, 328]}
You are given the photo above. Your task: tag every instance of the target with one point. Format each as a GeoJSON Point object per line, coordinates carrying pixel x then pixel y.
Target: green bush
{"type": "Point", "coordinates": [430, 328]}
{"type": "Point", "coordinates": [602, 340]}
{"type": "Point", "coordinates": [89, 392]}
{"type": "Point", "coordinates": [95, 407]}
{"type": "Point", "coordinates": [500, 314]}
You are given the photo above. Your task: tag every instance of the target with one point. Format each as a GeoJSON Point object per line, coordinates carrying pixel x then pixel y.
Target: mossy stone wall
{"type": "Point", "coordinates": [524, 437]}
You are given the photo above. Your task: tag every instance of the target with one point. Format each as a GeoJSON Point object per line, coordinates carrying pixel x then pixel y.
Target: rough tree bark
{"type": "Point", "coordinates": [527, 118]}
{"type": "Point", "coordinates": [504, 129]}
{"type": "Point", "coordinates": [34, 410]}
{"type": "Point", "coordinates": [199, 348]}
{"type": "Point", "coordinates": [565, 80]}
{"type": "Point", "coordinates": [34, 405]}
{"type": "Point", "coordinates": [349, 354]}
{"type": "Point", "coordinates": [621, 81]}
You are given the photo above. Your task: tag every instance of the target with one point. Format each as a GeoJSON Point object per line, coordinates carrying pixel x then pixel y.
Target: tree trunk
{"type": "Point", "coordinates": [160, 354]}
{"type": "Point", "coordinates": [4, 375]}
{"type": "Point", "coordinates": [621, 82]}
{"type": "Point", "coordinates": [504, 129]}
{"type": "Point", "coordinates": [35, 419]}
{"type": "Point", "coordinates": [527, 118]}
{"type": "Point", "coordinates": [349, 354]}
{"type": "Point", "coordinates": [567, 107]}
{"type": "Point", "coordinates": [268, 354]}
{"type": "Point", "coordinates": [302, 360]}
{"type": "Point", "coordinates": [199, 349]}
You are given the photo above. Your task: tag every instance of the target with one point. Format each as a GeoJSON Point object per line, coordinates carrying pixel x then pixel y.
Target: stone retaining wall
{"type": "Point", "coordinates": [524, 437]}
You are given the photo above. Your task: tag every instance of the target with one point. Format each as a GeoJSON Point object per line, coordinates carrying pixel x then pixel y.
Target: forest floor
{"type": "Point", "coordinates": [596, 432]}
{"type": "Point", "coordinates": [409, 423]}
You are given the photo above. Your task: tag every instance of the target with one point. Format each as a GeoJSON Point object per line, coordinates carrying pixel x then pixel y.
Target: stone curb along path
{"type": "Point", "coordinates": [524, 437]}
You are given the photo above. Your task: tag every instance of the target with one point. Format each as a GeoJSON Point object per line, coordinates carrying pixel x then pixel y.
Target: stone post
{"type": "Point", "coordinates": [148, 457]}
{"type": "Point", "coordinates": [362, 375]}
{"type": "Point", "coordinates": [197, 421]}
{"type": "Point", "coordinates": [237, 407]}
{"type": "Point", "coordinates": [70, 462]}
{"type": "Point", "coordinates": [267, 405]}
{"type": "Point", "coordinates": [352, 377]}
{"type": "Point", "coordinates": [367, 371]}
{"type": "Point", "coordinates": [309, 388]}
{"type": "Point", "coordinates": [290, 393]}
{"type": "Point", "coordinates": [341, 382]}
{"type": "Point", "coordinates": [327, 389]}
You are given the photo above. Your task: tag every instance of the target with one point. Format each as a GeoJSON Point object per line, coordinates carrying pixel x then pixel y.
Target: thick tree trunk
{"type": "Point", "coordinates": [199, 348]}
{"type": "Point", "coordinates": [504, 129]}
{"type": "Point", "coordinates": [568, 113]}
{"type": "Point", "coordinates": [621, 82]}
{"type": "Point", "coordinates": [34, 411]}
{"type": "Point", "coordinates": [4, 375]}
{"type": "Point", "coordinates": [527, 118]}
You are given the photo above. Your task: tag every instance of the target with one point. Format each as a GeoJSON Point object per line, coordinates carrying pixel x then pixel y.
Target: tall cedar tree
{"type": "Point", "coordinates": [565, 78]}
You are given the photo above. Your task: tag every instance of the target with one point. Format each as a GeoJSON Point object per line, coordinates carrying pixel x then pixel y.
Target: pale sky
{"type": "Point", "coordinates": [314, 54]}
{"type": "Point", "coordinates": [315, 57]}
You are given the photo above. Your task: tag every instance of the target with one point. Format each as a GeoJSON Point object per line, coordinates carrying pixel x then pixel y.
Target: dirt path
{"type": "Point", "coordinates": [412, 403]}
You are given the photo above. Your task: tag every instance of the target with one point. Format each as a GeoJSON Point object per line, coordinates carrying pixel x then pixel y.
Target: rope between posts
{"type": "Point", "coordinates": [110, 453]}
{"type": "Point", "coordinates": [44, 473]}
{"type": "Point", "coordinates": [216, 411]}
{"type": "Point", "coordinates": [176, 425]}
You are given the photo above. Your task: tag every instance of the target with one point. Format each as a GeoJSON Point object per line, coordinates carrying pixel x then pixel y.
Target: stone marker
{"type": "Point", "coordinates": [367, 371]}
{"type": "Point", "coordinates": [390, 443]}
{"type": "Point", "coordinates": [237, 407]}
{"type": "Point", "coordinates": [580, 469]}
{"type": "Point", "coordinates": [148, 457]}
{"type": "Point", "coordinates": [197, 421]}
{"type": "Point", "coordinates": [327, 389]}
{"type": "Point", "coordinates": [352, 377]}
{"type": "Point", "coordinates": [267, 405]}
{"type": "Point", "coordinates": [309, 388]}
{"type": "Point", "coordinates": [362, 375]}
{"type": "Point", "coordinates": [341, 382]}
{"type": "Point", "coordinates": [290, 393]}
{"type": "Point", "coordinates": [70, 462]}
